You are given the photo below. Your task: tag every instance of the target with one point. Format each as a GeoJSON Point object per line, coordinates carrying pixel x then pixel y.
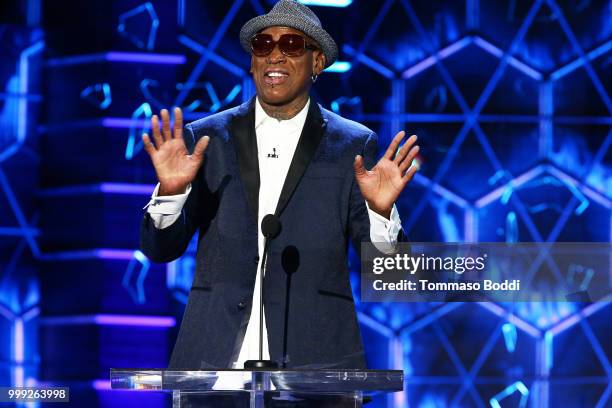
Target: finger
{"type": "Point", "coordinates": [403, 151]}
{"type": "Point", "coordinates": [178, 122]}
{"type": "Point", "coordinates": [148, 146]}
{"type": "Point", "coordinates": [409, 174]}
{"type": "Point", "coordinates": [407, 161]}
{"type": "Point", "coordinates": [155, 129]}
{"type": "Point", "coordinates": [200, 148]}
{"type": "Point", "coordinates": [166, 124]}
{"type": "Point", "coordinates": [358, 166]}
{"type": "Point", "coordinates": [392, 149]}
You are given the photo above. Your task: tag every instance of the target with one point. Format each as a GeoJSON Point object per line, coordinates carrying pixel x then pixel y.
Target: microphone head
{"type": "Point", "coordinates": [270, 226]}
{"type": "Point", "coordinates": [290, 259]}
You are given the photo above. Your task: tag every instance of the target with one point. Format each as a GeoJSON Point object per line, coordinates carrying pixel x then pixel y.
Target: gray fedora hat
{"type": "Point", "coordinates": [290, 13]}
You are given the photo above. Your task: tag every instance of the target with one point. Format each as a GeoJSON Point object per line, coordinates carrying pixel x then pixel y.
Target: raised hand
{"type": "Point", "coordinates": [174, 166]}
{"type": "Point", "coordinates": [382, 185]}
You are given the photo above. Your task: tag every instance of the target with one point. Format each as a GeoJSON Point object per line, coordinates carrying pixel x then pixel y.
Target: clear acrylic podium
{"type": "Point", "coordinates": [276, 388]}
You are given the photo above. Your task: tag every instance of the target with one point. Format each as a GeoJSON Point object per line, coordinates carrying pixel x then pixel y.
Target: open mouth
{"type": "Point", "coordinates": [275, 77]}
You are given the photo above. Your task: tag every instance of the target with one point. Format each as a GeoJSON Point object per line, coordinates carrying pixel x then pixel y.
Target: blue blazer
{"type": "Point", "coordinates": [310, 312]}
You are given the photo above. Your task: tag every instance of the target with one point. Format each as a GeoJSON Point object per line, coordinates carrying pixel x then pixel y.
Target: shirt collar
{"type": "Point", "coordinates": [297, 121]}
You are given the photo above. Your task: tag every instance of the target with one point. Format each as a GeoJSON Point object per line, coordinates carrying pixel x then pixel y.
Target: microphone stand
{"type": "Point", "coordinates": [261, 363]}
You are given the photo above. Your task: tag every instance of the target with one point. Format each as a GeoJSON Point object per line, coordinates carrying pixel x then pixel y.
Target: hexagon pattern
{"type": "Point", "coordinates": [511, 101]}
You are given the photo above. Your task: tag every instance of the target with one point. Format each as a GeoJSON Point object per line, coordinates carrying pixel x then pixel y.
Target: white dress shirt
{"type": "Point", "coordinates": [276, 143]}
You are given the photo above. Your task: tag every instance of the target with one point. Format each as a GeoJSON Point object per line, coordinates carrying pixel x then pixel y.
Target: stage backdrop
{"type": "Point", "coordinates": [510, 99]}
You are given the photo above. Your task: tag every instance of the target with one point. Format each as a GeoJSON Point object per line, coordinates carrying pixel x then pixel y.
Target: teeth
{"type": "Point", "coordinates": [275, 74]}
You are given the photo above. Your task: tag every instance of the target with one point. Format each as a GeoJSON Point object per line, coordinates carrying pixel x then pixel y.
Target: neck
{"type": "Point", "coordinates": [284, 112]}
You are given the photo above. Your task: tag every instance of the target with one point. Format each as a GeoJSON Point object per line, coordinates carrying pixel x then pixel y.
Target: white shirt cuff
{"type": "Point", "coordinates": [383, 232]}
{"type": "Point", "coordinates": [165, 210]}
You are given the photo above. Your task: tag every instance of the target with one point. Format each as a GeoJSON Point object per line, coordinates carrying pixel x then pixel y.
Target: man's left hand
{"type": "Point", "coordinates": [382, 185]}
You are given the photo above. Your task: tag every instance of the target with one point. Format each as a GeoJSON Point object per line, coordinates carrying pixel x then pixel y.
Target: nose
{"type": "Point", "coordinates": [276, 56]}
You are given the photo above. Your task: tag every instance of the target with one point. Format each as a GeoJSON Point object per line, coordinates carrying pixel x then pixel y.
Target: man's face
{"type": "Point", "coordinates": [292, 75]}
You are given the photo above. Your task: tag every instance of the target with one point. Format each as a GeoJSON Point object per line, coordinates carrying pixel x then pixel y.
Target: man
{"type": "Point", "coordinates": [279, 153]}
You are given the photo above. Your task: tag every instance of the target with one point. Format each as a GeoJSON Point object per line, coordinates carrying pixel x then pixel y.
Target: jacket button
{"type": "Point", "coordinates": [241, 305]}
{"type": "Point", "coordinates": [256, 260]}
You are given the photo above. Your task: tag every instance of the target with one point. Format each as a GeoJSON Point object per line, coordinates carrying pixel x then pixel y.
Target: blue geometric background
{"type": "Point", "coordinates": [511, 102]}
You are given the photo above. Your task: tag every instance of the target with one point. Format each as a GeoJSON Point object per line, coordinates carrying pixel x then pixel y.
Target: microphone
{"type": "Point", "coordinates": [270, 228]}
{"type": "Point", "coordinates": [290, 261]}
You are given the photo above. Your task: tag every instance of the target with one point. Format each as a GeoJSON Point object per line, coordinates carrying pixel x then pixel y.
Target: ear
{"type": "Point", "coordinates": [318, 63]}
{"type": "Point", "coordinates": [251, 67]}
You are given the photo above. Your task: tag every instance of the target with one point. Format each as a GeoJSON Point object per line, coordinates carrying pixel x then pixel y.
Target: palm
{"type": "Point", "coordinates": [174, 166]}
{"type": "Point", "coordinates": [382, 185]}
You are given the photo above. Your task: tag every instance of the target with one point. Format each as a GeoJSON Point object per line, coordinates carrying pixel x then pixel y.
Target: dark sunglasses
{"type": "Point", "coordinates": [291, 45]}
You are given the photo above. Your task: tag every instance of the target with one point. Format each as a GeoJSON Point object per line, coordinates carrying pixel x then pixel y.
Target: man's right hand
{"type": "Point", "coordinates": [174, 166]}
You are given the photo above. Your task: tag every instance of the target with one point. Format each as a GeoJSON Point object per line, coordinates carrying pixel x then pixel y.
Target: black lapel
{"type": "Point", "coordinates": [242, 129]}
{"type": "Point", "coordinates": [312, 133]}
